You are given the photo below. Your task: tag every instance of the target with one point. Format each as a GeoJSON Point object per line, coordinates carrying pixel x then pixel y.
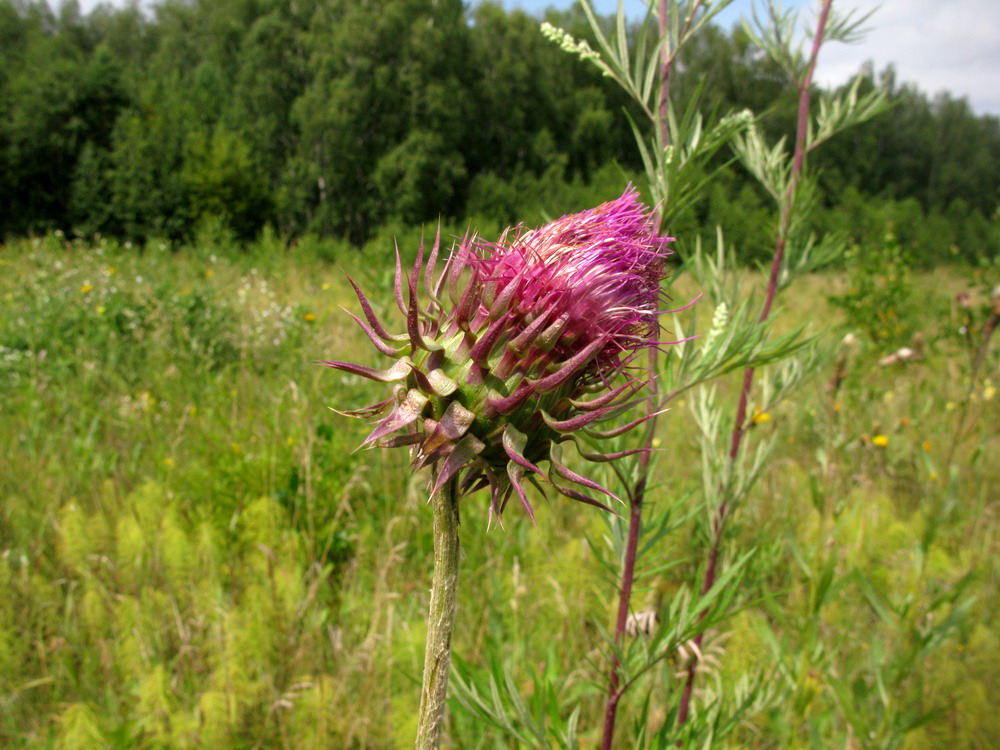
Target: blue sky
{"type": "Point", "coordinates": [938, 45]}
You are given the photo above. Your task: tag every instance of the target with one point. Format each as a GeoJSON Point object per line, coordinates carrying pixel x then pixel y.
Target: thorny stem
{"type": "Point", "coordinates": [637, 493]}
{"type": "Point", "coordinates": [739, 426]}
{"type": "Point", "coordinates": [440, 618]}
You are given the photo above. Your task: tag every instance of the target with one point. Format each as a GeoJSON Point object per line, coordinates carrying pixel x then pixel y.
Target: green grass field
{"type": "Point", "coordinates": [192, 556]}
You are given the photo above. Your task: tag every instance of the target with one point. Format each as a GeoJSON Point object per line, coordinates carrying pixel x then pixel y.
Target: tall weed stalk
{"type": "Point", "coordinates": [681, 151]}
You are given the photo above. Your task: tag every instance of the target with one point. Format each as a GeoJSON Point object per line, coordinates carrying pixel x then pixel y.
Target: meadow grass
{"type": "Point", "coordinates": [192, 555]}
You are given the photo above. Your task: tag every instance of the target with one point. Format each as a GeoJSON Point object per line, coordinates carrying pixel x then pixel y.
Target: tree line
{"type": "Point", "coordinates": [337, 117]}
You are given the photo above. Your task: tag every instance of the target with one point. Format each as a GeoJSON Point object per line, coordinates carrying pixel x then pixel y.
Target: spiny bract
{"type": "Point", "coordinates": [517, 348]}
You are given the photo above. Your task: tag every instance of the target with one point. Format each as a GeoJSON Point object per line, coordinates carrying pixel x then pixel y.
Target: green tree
{"type": "Point", "coordinates": [222, 180]}
{"type": "Point", "coordinates": [381, 71]}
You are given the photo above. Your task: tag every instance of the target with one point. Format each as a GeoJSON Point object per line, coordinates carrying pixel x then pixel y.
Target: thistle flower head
{"type": "Point", "coordinates": [517, 347]}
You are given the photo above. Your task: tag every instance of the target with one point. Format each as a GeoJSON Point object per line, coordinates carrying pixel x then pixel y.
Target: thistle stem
{"type": "Point", "coordinates": [440, 618]}
{"type": "Point", "coordinates": [739, 425]}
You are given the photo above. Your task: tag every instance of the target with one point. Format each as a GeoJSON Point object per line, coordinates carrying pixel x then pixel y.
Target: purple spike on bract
{"type": "Point", "coordinates": [523, 340]}
{"type": "Point", "coordinates": [580, 497]}
{"type": "Point", "coordinates": [503, 299]}
{"type": "Point", "coordinates": [465, 450]}
{"type": "Point", "coordinates": [468, 300]}
{"type": "Point", "coordinates": [365, 411]}
{"type": "Point", "coordinates": [404, 414]}
{"type": "Point", "coordinates": [515, 473]}
{"type": "Point", "coordinates": [397, 284]}
{"type": "Point", "coordinates": [569, 368]}
{"type": "Point", "coordinates": [459, 262]}
{"type": "Point", "coordinates": [372, 317]}
{"type": "Point", "coordinates": [495, 508]}
{"type": "Point", "coordinates": [607, 398]}
{"type": "Point", "coordinates": [567, 426]}
{"type": "Point", "coordinates": [513, 444]}
{"type": "Point", "coordinates": [422, 458]}
{"type": "Point", "coordinates": [606, 457]}
{"type": "Point", "coordinates": [505, 405]}
{"type": "Point", "coordinates": [484, 346]}
{"type": "Point", "coordinates": [399, 441]}
{"type": "Point", "coordinates": [472, 481]}
{"type": "Point", "coordinates": [413, 308]}
{"type": "Point", "coordinates": [566, 473]}
{"type": "Point", "coordinates": [446, 273]}
{"type": "Point", "coordinates": [606, 434]}
{"type": "Point", "coordinates": [399, 370]}
{"type": "Point", "coordinates": [431, 265]}
{"type": "Point", "coordinates": [383, 347]}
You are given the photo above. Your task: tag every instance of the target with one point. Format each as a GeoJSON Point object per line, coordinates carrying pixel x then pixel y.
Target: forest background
{"type": "Point", "coordinates": [354, 120]}
{"type": "Point", "coordinates": [192, 555]}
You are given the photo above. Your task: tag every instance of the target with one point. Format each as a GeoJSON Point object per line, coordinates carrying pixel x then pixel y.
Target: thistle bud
{"type": "Point", "coordinates": [517, 347]}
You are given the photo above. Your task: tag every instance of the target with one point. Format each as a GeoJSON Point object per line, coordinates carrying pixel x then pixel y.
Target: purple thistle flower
{"type": "Point", "coordinates": [517, 348]}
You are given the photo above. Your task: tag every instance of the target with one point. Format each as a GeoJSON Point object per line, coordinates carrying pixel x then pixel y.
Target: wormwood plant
{"type": "Point", "coordinates": [679, 152]}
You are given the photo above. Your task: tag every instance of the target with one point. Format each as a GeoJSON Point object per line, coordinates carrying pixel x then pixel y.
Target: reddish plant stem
{"type": "Point", "coordinates": [637, 493]}
{"type": "Point", "coordinates": [628, 576]}
{"type": "Point", "coordinates": [739, 426]}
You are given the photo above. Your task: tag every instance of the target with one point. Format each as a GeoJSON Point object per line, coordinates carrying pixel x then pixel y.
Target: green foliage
{"type": "Point", "coordinates": [222, 180]}
{"type": "Point", "coordinates": [879, 300]}
{"type": "Point", "coordinates": [192, 556]}
{"type": "Point", "coordinates": [341, 118]}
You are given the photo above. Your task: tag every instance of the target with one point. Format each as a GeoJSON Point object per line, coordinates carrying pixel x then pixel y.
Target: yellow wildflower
{"type": "Point", "coordinates": [209, 273]}
{"type": "Point", "coordinates": [880, 440]}
{"type": "Point", "coordinates": [309, 317]}
{"type": "Point", "coordinates": [169, 463]}
{"type": "Point", "coordinates": [927, 446]}
{"type": "Point", "coordinates": [759, 417]}
{"type": "Point", "coordinates": [86, 288]}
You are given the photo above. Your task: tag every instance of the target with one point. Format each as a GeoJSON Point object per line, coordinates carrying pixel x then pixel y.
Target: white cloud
{"type": "Point", "coordinates": [938, 45]}
{"type": "Point", "coordinates": [952, 45]}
